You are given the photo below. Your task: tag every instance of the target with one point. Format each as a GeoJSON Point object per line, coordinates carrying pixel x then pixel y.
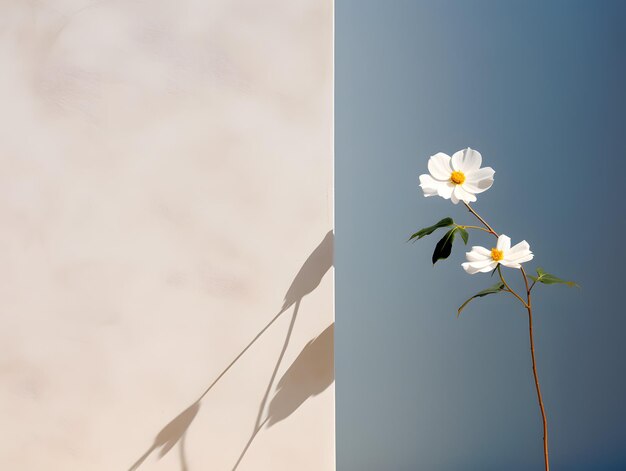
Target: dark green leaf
{"type": "Point", "coordinates": [464, 235]}
{"type": "Point", "coordinates": [446, 222]}
{"type": "Point", "coordinates": [548, 279]}
{"type": "Point", "coordinates": [491, 290]}
{"type": "Point", "coordinates": [443, 249]}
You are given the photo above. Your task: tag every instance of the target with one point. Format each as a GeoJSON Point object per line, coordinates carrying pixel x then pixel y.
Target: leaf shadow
{"type": "Point", "coordinates": [173, 433]}
{"type": "Point", "coordinates": [306, 281]}
{"type": "Point", "coordinates": [311, 373]}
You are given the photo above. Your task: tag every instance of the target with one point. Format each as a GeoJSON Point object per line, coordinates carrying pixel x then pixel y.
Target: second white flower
{"type": "Point", "coordinates": [483, 260]}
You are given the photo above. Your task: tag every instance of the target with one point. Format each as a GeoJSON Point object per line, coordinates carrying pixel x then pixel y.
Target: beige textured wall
{"type": "Point", "coordinates": [165, 192]}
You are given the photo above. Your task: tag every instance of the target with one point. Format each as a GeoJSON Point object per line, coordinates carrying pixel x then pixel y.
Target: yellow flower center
{"type": "Point", "coordinates": [457, 177]}
{"type": "Point", "coordinates": [497, 255]}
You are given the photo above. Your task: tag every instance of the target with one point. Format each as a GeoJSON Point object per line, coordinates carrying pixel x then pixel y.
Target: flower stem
{"type": "Point", "coordinates": [509, 289]}
{"type": "Point", "coordinates": [471, 210]}
{"type": "Point", "coordinates": [537, 387]}
{"type": "Point", "coordinates": [474, 227]}
{"type": "Point", "coordinates": [544, 420]}
{"type": "Point", "coordinates": [528, 305]}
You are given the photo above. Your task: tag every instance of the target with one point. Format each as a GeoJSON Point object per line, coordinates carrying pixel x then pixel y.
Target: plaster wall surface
{"type": "Point", "coordinates": [166, 244]}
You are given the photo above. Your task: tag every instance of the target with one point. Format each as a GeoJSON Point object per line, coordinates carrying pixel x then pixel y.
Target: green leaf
{"type": "Point", "coordinates": [443, 249]}
{"type": "Point", "coordinates": [464, 234]}
{"type": "Point", "coordinates": [548, 279]}
{"type": "Point", "coordinates": [446, 222]}
{"type": "Point", "coordinates": [491, 290]}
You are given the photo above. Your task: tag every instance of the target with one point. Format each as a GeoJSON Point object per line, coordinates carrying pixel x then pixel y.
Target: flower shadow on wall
{"type": "Point", "coordinates": [309, 375]}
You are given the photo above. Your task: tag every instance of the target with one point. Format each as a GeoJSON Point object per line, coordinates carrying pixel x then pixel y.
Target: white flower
{"type": "Point", "coordinates": [459, 178]}
{"type": "Point", "coordinates": [483, 260]}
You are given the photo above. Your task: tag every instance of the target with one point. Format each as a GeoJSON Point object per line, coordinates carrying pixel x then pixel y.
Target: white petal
{"type": "Point", "coordinates": [477, 256]}
{"type": "Point", "coordinates": [504, 243]}
{"type": "Point", "coordinates": [525, 258]}
{"type": "Point", "coordinates": [454, 199]}
{"type": "Point", "coordinates": [517, 254]}
{"type": "Point", "coordinates": [476, 267]}
{"type": "Point", "coordinates": [510, 264]}
{"type": "Point", "coordinates": [492, 266]}
{"type": "Point", "coordinates": [469, 268]}
{"type": "Point", "coordinates": [444, 189]}
{"type": "Point", "coordinates": [439, 166]}
{"type": "Point", "coordinates": [479, 180]}
{"type": "Point", "coordinates": [432, 187]}
{"type": "Point", "coordinates": [461, 194]}
{"type": "Point", "coordinates": [522, 258]}
{"type": "Point", "coordinates": [428, 184]}
{"type": "Point", "coordinates": [467, 160]}
{"type": "Point", "coordinates": [479, 174]}
{"type": "Point", "coordinates": [481, 250]}
{"type": "Point", "coordinates": [519, 248]}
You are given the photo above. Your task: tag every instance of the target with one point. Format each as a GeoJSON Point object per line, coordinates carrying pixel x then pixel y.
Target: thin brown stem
{"type": "Point", "coordinates": [471, 210]}
{"type": "Point", "coordinates": [475, 227]}
{"type": "Point", "coordinates": [509, 289]}
{"type": "Point", "coordinates": [525, 281]}
{"type": "Point", "coordinates": [528, 305]}
{"type": "Point", "coordinates": [538, 388]}
{"type": "Point", "coordinates": [544, 419]}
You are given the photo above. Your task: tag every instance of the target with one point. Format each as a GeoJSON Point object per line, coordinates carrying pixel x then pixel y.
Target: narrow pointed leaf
{"type": "Point", "coordinates": [491, 290]}
{"type": "Point", "coordinates": [446, 222]}
{"type": "Point", "coordinates": [464, 234]}
{"type": "Point", "coordinates": [548, 279]}
{"type": "Point", "coordinates": [443, 249]}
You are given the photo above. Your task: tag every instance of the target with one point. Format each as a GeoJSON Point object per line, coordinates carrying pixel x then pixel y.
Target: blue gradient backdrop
{"type": "Point", "coordinates": [539, 88]}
